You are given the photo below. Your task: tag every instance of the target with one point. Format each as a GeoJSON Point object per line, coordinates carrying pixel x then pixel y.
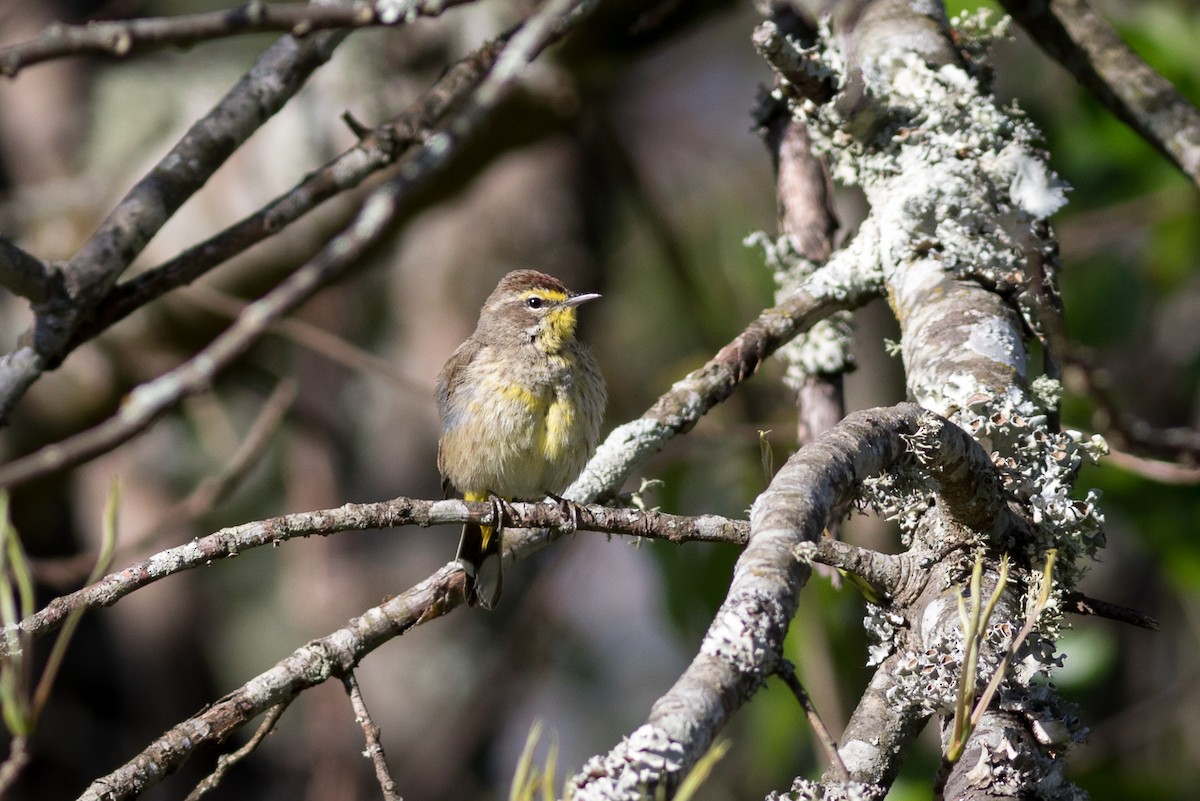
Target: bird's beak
{"type": "Point", "coordinates": [575, 300]}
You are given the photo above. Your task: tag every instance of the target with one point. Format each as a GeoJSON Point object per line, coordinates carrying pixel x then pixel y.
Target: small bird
{"type": "Point", "coordinates": [521, 403]}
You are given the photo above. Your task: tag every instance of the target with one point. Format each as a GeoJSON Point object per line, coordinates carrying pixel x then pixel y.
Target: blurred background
{"type": "Point", "coordinates": [628, 165]}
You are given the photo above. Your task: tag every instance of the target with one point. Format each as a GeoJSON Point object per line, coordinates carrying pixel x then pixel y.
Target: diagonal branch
{"type": "Point", "coordinates": [267, 85]}
{"type": "Point", "coordinates": [377, 149]}
{"type": "Point", "coordinates": [1072, 33]}
{"type": "Point", "coordinates": [25, 275]}
{"type": "Point", "coordinates": [849, 280]}
{"type": "Point", "coordinates": [121, 38]}
{"type": "Point", "coordinates": [743, 646]}
{"type": "Point", "coordinates": [148, 402]}
{"type": "Point", "coordinates": [332, 656]}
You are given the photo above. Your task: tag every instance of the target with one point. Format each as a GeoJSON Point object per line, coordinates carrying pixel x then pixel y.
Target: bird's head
{"type": "Point", "coordinates": [533, 307]}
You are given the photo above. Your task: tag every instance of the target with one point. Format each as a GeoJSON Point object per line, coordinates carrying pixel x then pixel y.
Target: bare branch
{"type": "Point", "coordinates": [148, 402]}
{"type": "Point", "coordinates": [267, 85]}
{"type": "Point", "coordinates": [377, 149]}
{"type": "Point", "coordinates": [225, 762]}
{"type": "Point", "coordinates": [331, 656]}
{"type": "Point", "coordinates": [1073, 34]}
{"type": "Point", "coordinates": [25, 275]}
{"type": "Point", "coordinates": [374, 750]}
{"type": "Point", "coordinates": [229, 542]}
{"type": "Point", "coordinates": [121, 38]}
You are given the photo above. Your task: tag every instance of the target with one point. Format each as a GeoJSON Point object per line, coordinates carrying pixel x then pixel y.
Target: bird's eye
{"type": "Point", "coordinates": [534, 302]}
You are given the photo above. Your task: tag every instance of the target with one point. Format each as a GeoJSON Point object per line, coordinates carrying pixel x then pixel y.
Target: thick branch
{"type": "Point", "coordinates": [744, 643]}
{"type": "Point", "coordinates": [1072, 33]}
{"type": "Point", "coordinates": [121, 38]}
{"type": "Point", "coordinates": [878, 730]}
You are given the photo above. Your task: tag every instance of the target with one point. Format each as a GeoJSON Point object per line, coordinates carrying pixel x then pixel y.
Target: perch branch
{"type": "Point", "coordinates": [147, 402]}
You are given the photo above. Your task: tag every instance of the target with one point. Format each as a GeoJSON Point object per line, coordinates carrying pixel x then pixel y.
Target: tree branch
{"type": "Point", "coordinates": [377, 149]}
{"type": "Point", "coordinates": [374, 749]}
{"type": "Point", "coordinates": [25, 275]}
{"type": "Point", "coordinates": [1073, 34]}
{"type": "Point", "coordinates": [148, 402]}
{"type": "Point", "coordinates": [229, 542]}
{"type": "Point", "coordinates": [953, 229]}
{"type": "Point", "coordinates": [1128, 429]}
{"type": "Point", "coordinates": [848, 281]}
{"type": "Point", "coordinates": [744, 644]}
{"type": "Point", "coordinates": [332, 656]}
{"type": "Point", "coordinates": [121, 38]}
{"type": "Point", "coordinates": [267, 85]}
{"type": "Point", "coordinates": [226, 762]}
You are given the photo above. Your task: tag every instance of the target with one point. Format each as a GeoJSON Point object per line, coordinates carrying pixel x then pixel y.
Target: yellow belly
{"type": "Point", "coordinates": [516, 442]}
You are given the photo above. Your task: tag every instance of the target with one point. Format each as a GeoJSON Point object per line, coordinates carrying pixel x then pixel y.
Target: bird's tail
{"type": "Point", "coordinates": [479, 553]}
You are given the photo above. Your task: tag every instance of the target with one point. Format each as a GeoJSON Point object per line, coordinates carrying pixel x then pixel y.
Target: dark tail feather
{"type": "Point", "coordinates": [479, 554]}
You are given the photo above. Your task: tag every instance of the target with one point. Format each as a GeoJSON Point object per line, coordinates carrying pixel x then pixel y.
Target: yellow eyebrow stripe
{"type": "Point", "coordinates": [545, 294]}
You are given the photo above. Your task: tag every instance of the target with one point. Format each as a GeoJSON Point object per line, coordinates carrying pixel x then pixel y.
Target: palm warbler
{"type": "Point", "coordinates": [521, 403]}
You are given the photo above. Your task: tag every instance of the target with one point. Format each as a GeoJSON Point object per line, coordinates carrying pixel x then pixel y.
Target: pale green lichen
{"type": "Point", "coordinates": [808, 790]}
{"type": "Point", "coordinates": [825, 347]}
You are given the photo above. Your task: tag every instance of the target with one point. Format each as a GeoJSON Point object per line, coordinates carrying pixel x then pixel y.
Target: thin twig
{"type": "Point", "coordinates": [121, 38]}
{"type": "Point", "coordinates": [1153, 469]}
{"type": "Point", "coordinates": [70, 570]}
{"type": "Point", "coordinates": [319, 340]}
{"type": "Point", "coordinates": [1082, 604]}
{"type": "Point", "coordinates": [787, 672]}
{"type": "Point", "coordinates": [374, 749]}
{"type": "Point", "coordinates": [382, 147]}
{"type": "Point", "coordinates": [1124, 427]}
{"type": "Point", "coordinates": [225, 762]}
